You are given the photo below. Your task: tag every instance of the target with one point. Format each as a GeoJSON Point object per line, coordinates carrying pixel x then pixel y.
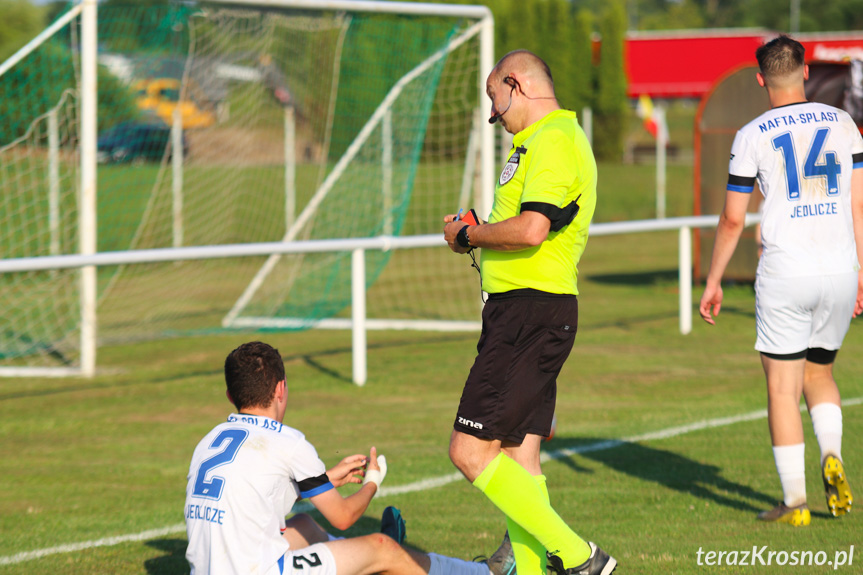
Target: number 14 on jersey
{"type": "Point", "coordinates": [829, 168]}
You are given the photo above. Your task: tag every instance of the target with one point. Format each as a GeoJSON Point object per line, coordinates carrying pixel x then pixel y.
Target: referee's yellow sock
{"type": "Point", "coordinates": [515, 492]}
{"type": "Point", "coordinates": [529, 553]}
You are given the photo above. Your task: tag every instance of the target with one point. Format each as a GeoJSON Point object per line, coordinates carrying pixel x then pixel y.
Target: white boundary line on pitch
{"type": "Point", "coordinates": [425, 484]}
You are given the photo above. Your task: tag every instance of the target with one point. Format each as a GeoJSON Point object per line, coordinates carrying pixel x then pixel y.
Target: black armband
{"type": "Point", "coordinates": [314, 486]}
{"type": "Point", "coordinates": [559, 217]}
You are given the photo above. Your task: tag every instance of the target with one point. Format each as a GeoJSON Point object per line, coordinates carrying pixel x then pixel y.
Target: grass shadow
{"type": "Point", "coordinates": [309, 359]}
{"type": "Point", "coordinates": [665, 468]}
{"type": "Point", "coordinates": [645, 278]}
{"type": "Point", "coordinates": [172, 562]}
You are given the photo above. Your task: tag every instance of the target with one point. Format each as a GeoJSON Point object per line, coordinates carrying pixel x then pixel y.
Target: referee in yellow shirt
{"type": "Point", "coordinates": [543, 203]}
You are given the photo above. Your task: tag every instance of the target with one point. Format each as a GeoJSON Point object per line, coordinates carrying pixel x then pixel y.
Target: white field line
{"type": "Point", "coordinates": [106, 542]}
{"type": "Point", "coordinates": [424, 484]}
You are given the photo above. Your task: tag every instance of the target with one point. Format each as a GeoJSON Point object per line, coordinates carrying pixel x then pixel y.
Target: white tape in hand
{"type": "Point", "coordinates": [376, 476]}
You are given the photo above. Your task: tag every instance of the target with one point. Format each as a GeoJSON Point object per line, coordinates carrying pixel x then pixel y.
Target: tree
{"type": "Point", "coordinates": [20, 22]}
{"type": "Point", "coordinates": [500, 12]}
{"type": "Point", "coordinates": [677, 16]}
{"type": "Point", "coordinates": [560, 46]}
{"type": "Point", "coordinates": [583, 72]}
{"type": "Point", "coordinates": [611, 105]}
{"type": "Point", "coordinates": [521, 24]}
{"type": "Point", "coordinates": [815, 15]}
{"type": "Point", "coordinates": [36, 85]}
{"type": "Point", "coordinates": [53, 10]}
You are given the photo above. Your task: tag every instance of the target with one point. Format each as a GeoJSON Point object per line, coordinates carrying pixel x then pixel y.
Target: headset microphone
{"type": "Point", "coordinates": [498, 115]}
{"type": "Point", "coordinates": [512, 83]}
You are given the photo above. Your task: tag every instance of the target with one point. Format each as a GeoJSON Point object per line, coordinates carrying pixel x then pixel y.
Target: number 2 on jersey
{"type": "Point", "coordinates": [232, 439]}
{"type": "Point", "coordinates": [311, 559]}
{"type": "Point", "coordinates": [829, 169]}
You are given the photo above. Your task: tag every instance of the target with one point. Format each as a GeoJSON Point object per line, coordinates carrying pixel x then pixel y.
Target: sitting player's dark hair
{"type": "Point", "coordinates": [251, 374]}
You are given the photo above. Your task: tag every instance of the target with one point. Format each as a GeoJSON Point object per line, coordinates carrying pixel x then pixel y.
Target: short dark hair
{"type": "Point", "coordinates": [252, 372]}
{"type": "Point", "coordinates": [780, 56]}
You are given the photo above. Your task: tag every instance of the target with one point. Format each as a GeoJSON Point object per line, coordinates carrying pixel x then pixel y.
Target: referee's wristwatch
{"type": "Point", "coordinates": [463, 239]}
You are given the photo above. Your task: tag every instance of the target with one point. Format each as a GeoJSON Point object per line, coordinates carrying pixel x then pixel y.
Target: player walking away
{"type": "Point", "coordinates": [246, 474]}
{"type": "Point", "coordinates": [543, 203]}
{"type": "Point", "coordinates": [806, 158]}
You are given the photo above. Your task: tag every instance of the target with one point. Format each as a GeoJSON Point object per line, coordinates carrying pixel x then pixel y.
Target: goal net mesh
{"type": "Point", "coordinates": [296, 125]}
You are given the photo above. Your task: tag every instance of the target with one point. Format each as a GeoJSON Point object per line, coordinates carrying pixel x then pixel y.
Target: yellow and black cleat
{"type": "Point", "coordinates": [798, 516]}
{"type": "Point", "coordinates": [836, 488]}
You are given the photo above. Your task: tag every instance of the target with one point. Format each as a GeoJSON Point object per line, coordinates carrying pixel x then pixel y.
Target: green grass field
{"type": "Point", "coordinates": [86, 460]}
{"type": "Point", "coordinates": [93, 472]}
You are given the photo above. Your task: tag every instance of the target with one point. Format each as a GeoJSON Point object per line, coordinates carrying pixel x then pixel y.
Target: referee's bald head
{"type": "Point", "coordinates": [525, 63]}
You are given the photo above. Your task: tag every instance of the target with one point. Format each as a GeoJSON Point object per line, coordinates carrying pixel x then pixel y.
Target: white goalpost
{"type": "Point", "coordinates": [261, 165]}
{"type": "Point", "coordinates": [230, 123]}
{"type": "Point", "coordinates": [380, 119]}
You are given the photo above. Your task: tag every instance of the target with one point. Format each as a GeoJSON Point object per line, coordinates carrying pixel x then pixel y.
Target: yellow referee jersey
{"type": "Point", "coordinates": [550, 166]}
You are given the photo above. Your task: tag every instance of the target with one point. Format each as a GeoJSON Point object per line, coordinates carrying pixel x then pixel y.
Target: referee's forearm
{"type": "Point", "coordinates": [525, 231]}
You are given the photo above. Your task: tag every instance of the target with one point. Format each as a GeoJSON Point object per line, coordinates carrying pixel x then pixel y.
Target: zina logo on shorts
{"type": "Point", "coordinates": [469, 423]}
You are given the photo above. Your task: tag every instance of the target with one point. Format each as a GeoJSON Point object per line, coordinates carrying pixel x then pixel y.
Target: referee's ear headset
{"type": "Point", "coordinates": [513, 84]}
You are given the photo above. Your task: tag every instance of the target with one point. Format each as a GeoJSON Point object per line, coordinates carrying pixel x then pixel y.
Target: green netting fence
{"type": "Point", "coordinates": [369, 116]}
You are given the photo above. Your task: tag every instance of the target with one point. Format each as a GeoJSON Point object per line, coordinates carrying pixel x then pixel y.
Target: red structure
{"type": "Point", "coordinates": [687, 63]}
{"type": "Point", "coordinates": [718, 67]}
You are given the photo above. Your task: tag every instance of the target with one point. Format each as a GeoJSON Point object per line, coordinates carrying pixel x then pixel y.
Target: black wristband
{"type": "Point", "coordinates": [462, 239]}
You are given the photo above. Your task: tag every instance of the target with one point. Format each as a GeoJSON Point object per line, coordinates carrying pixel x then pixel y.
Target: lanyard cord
{"type": "Point", "coordinates": [475, 266]}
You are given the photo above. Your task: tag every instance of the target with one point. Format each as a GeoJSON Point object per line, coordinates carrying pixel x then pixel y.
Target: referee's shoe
{"type": "Point", "coordinates": [502, 561]}
{"type": "Point", "coordinates": [599, 563]}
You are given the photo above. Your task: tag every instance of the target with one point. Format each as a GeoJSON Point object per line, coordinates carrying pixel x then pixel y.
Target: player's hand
{"type": "Point", "coordinates": [712, 298]}
{"type": "Point", "coordinates": [376, 468]}
{"type": "Point", "coordinates": [450, 231]}
{"type": "Point", "coordinates": [348, 470]}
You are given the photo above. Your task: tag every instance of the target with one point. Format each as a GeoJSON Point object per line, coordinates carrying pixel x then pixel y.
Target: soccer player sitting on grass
{"type": "Point", "coordinates": [246, 474]}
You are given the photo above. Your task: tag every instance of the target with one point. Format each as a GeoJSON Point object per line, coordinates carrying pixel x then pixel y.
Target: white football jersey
{"type": "Point", "coordinates": [244, 477]}
{"type": "Point", "coordinates": [802, 156]}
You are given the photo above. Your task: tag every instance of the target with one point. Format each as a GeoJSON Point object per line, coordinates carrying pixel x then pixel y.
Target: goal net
{"type": "Point", "coordinates": [231, 124]}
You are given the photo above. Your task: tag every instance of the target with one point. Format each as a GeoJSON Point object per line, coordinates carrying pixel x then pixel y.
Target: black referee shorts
{"type": "Point", "coordinates": [512, 386]}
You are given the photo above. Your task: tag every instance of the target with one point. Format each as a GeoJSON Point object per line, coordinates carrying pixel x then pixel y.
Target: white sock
{"type": "Point", "coordinates": [827, 422]}
{"type": "Point", "coordinates": [442, 565]}
{"type": "Point", "coordinates": [792, 473]}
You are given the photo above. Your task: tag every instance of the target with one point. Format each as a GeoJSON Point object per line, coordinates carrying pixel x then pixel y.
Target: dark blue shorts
{"type": "Point", "coordinates": [512, 386]}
